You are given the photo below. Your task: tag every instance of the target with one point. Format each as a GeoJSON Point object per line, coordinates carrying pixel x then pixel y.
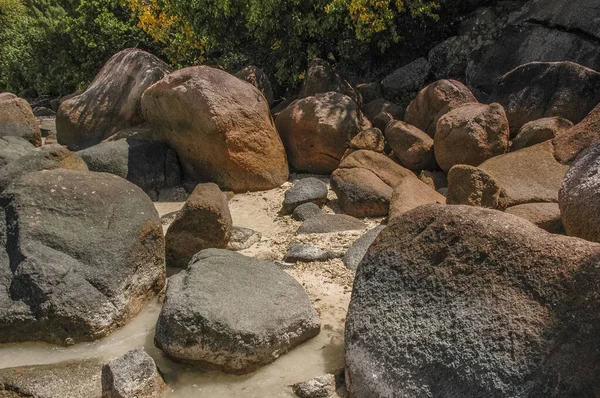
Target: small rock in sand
{"type": "Point", "coordinates": [319, 387]}
{"type": "Point", "coordinates": [307, 253]}
{"type": "Point", "coordinates": [327, 223]}
{"type": "Point", "coordinates": [306, 190]}
{"type": "Point", "coordinates": [306, 211]}
{"type": "Point", "coordinates": [243, 238]}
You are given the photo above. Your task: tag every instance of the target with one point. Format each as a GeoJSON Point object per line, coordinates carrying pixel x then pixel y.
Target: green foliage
{"type": "Point", "coordinates": [282, 35]}
{"type": "Point", "coordinates": [54, 47]}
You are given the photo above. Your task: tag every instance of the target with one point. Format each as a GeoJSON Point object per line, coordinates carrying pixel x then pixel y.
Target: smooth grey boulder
{"type": "Point", "coordinates": [466, 302]}
{"type": "Point", "coordinates": [149, 165]}
{"type": "Point", "coordinates": [327, 223]}
{"type": "Point", "coordinates": [305, 190]}
{"type": "Point", "coordinates": [242, 238]}
{"type": "Point", "coordinates": [306, 211]}
{"type": "Point", "coordinates": [134, 375]}
{"type": "Point", "coordinates": [83, 254]}
{"type": "Point", "coordinates": [578, 197]}
{"type": "Point", "coordinates": [299, 252]}
{"type": "Point", "coordinates": [48, 157]}
{"type": "Point", "coordinates": [69, 379]}
{"type": "Point", "coordinates": [12, 148]}
{"type": "Point", "coordinates": [357, 251]}
{"type": "Point", "coordinates": [233, 313]}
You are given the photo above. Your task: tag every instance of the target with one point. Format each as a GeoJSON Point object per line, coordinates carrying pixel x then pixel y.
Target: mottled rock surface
{"type": "Point", "coordinates": [233, 313]}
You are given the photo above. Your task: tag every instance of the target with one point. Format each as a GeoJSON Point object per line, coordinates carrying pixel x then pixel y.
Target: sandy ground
{"type": "Point", "coordinates": [328, 285]}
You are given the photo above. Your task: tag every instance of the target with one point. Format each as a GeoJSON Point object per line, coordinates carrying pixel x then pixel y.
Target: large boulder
{"type": "Point", "coordinates": [412, 147]}
{"type": "Point", "coordinates": [321, 78]}
{"type": "Point", "coordinates": [542, 31]}
{"type": "Point", "coordinates": [49, 157]}
{"type": "Point", "coordinates": [470, 135]}
{"type": "Point", "coordinates": [258, 79]}
{"type": "Point", "coordinates": [233, 313]}
{"type": "Point", "coordinates": [203, 222]}
{"type": "Point", "coordinates": [220, 127]}
{"type": "Point", "coordinates": [528, 175]}
{"type": "Point", "coordinates": [112, 102]}
{"type": "Point", "coordinates": [579, 137]}
{"type": "Point", "coordinates": [317, 130]}
{"type": "Point", "coordinates": [17, 119]}
{"type": "Point", "coordinates": [149, 165]}
{"type": "Point", "coordinates": [434, 101]}
{"type": "Point", "coordinates": [406, 80]}
{"type": "Point", "coordinates": [540, 130]}
{"type": "Point", "coordinates": [12, 148]}
{"type": "Point", "coordinates": [84, 253]}
{"type": "Point", "coordinates": [579, 194]}
{"type": "Point", "coordinates": [457, 301]}
{"type": "Point", "coordinates": [544, 89]}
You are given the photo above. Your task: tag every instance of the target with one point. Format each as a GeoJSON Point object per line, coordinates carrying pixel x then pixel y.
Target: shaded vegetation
{"type": "Point", "coordinates": [56, 46]}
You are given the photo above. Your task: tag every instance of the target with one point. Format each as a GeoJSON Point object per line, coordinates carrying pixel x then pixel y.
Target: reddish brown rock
{"type": "Point", "coordinates": [435, 179]}
{"type": "Point", "coordinates": [470, 135]}
{"type": "Point", "coordinates": [371, 139]}
{"type": "Point", "coordinates": [539, 131]}
{"type": "Point", "coordinates": [579, 137]}
{"type": "Point", "coordinates": [366, 180]}
{"type": "Point", "coordinates": [434, 101]}
{"type": "Point", "coordinates": [317, 130]}
{"type": "Point", "coordinates": [17, 119]}
{"type": "Point", "coordinates": [468, 185]}
{"type": "Point", "coordinates": [544, 215]}
{"type": "Point", "coordinates": [412, 147]}
{"type": "Point", "coordinates": [526, 176]}
{"type": "Point", "coordinates": [361, 193]}
{"type": "Point", "coordinates": [220, 127]}
{"type": "Point", "coordinates": [411, 193]}
{"type": "Point", "coordinates": [203, 222]}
